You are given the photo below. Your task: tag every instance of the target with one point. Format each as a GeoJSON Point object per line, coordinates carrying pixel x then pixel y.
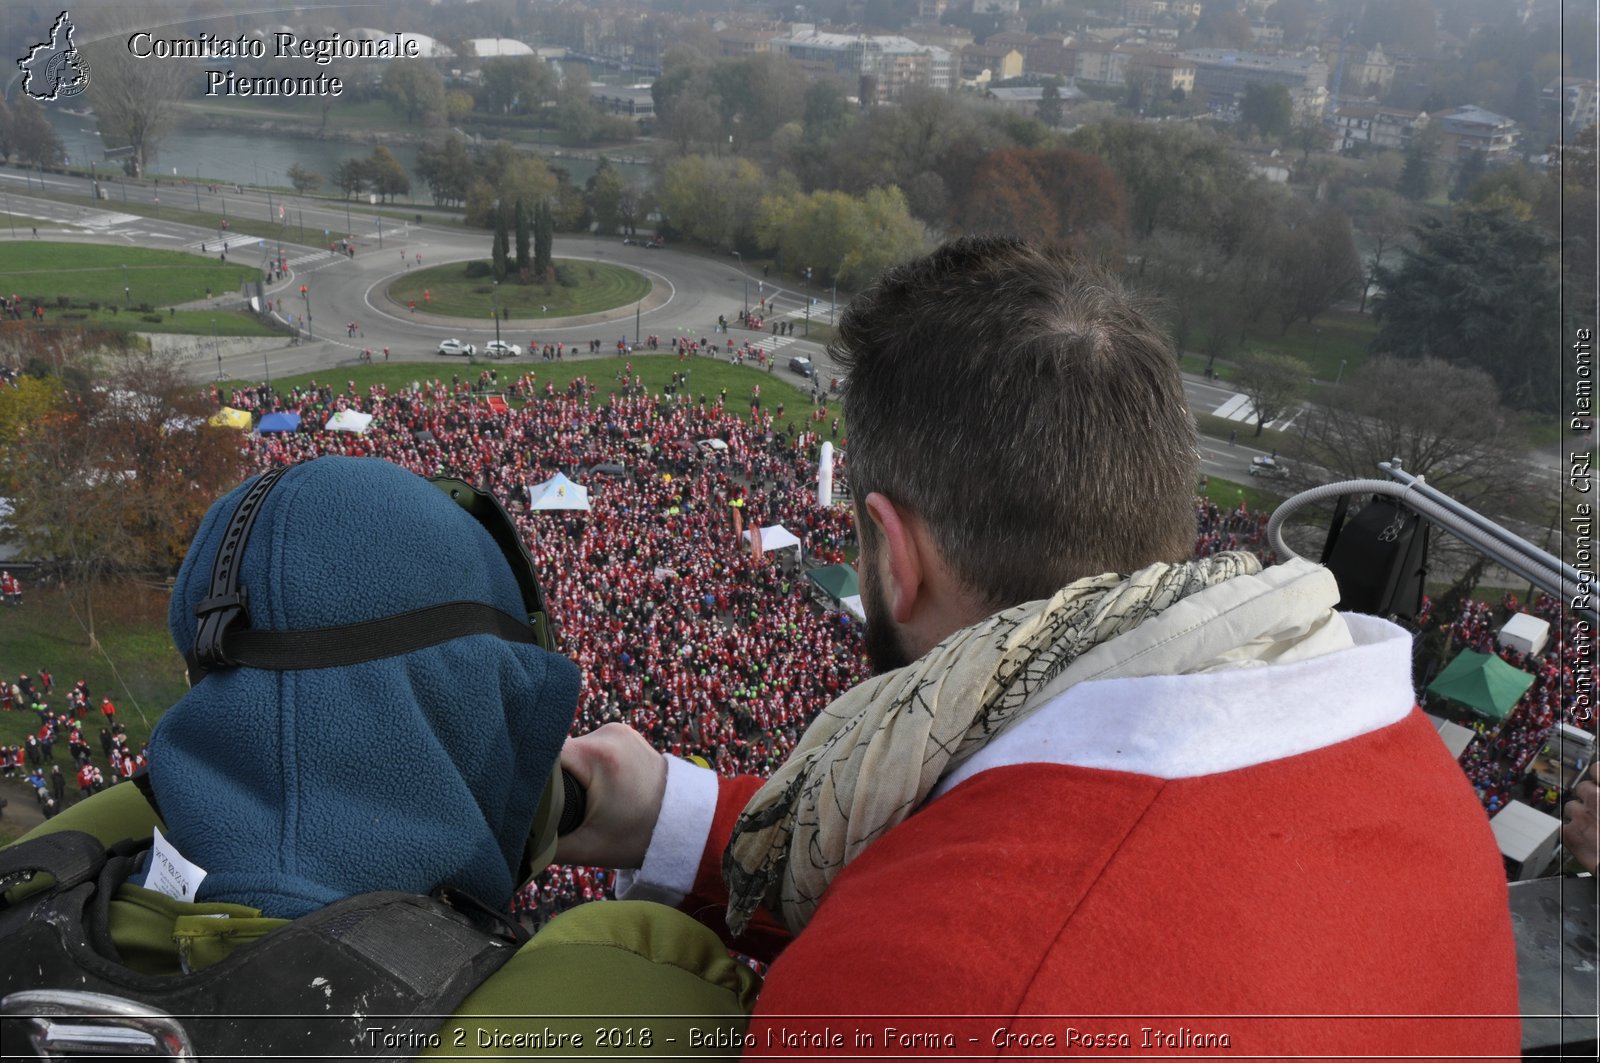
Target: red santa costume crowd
{"type": "Point", "coordinates": [1563, 691]}
{"type": "Point", "coordinates": [679, 628]}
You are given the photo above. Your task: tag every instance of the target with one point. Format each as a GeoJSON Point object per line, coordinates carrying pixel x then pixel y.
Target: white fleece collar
{"type": "Point", "coordinates": [1183, 726]}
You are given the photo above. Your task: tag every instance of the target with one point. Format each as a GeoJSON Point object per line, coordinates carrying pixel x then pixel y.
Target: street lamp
{"type": "Point", "coordinates": [215, 346]}
{"type": "Point", "coordinates": [305, 293]}
{"type": "Point", "coordinates": [1340, 377]}
{"type": "Point", "coordinates": [494, 311]}
{"type": "Point", "coordinates": [746, 277]}
{"type": "Point", "coordinates": [126, 298]}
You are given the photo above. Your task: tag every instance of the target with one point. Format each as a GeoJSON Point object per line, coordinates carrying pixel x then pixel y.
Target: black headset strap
{"type": "Point", "coordinates": [371, 640]}
{"type": "Point", "coordinates": [225, 606]}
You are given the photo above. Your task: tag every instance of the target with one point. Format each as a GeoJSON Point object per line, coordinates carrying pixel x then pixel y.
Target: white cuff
{"type": "Point", "coordinates": [673, 859]}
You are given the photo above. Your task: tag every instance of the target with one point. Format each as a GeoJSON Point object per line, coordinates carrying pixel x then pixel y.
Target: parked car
{"type": "Point", "coordinates": [802, 366]}
{"type": "Point", "coordinates": [455, 346]}
{"type": "Point", "coordinates": [501, 349]}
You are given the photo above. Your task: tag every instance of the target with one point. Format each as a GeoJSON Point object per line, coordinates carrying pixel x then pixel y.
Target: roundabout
{"type": "Point", "coordinates": [576, 288]}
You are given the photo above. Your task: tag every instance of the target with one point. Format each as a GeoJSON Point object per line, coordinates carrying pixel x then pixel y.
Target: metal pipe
{"type": "Point", "coordinates": [1518, 555]}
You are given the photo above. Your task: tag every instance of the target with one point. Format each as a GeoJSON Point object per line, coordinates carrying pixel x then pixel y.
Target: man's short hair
{"type": "Point", "coordinates": [1020, 403]}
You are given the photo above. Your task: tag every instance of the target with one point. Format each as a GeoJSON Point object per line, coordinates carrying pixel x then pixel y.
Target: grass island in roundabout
{"type": "Point", "coordinates": [468, 289]}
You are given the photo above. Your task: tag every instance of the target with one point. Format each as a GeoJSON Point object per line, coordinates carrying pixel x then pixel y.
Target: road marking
{"type": "Point", "coordinates": [1239, 408]}
{"type": "Point", "coordinates": [817, 311]}
{"type": "Point", "coordinates": [107, 219]}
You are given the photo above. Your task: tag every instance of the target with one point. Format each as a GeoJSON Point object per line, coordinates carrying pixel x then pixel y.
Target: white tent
{"type": "Point", "coordinates": [1456, 738]}
{"type": "Point", "coordinates": [852, 605]}
{"type": "Point", "coordinates": [558, 492]}
{"type": "Point", "coordinates": [1525, 633]}
{"type": "Point", "coordinates": [777, 537]}
{"type": "Point", "coordinates": [1526, 837]}
{"type": "Point", "coordinates": [349, 421]}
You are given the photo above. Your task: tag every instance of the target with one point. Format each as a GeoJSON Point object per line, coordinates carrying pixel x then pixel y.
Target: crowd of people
{"type": "Point", "coordinates": [679, 628]}
{"type": "Point", "coordinates": [37, 760]}
{"type": "Point", "coordinates": [1218, 529]}
{"type": "Point", "coordinates": [1563, 691]}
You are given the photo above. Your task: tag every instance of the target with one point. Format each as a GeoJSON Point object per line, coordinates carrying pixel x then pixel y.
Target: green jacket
{"type": "Point", "coordinates": [606, 979]}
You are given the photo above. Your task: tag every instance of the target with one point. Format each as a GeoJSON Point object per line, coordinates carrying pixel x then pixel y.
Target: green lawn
{"type": "Point", "coordinates": [448, 290]}
{"type": "Point", "coordinates": [138, 669]}
{"type": "Point", "coordinates": [1220, 428]}
{"type": "Point", "coordinates": [1227, 494]}
{"type": "Point", "coordinates": [90, 273]}
{"type": "Point", "coordinates": [1337, 336]}
{"type": "Point", "coordinates": [181, 323]}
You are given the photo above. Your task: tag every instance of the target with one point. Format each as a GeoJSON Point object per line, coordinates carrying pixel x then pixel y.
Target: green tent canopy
{"type": "Point", "coordinates": [1483, 682]}
{"type": "Point", "coordinates": [836, 581]}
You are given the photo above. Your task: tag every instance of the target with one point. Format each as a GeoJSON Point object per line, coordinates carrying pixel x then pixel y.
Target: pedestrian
{"type": "Point", "coordinates": [1233, 437]}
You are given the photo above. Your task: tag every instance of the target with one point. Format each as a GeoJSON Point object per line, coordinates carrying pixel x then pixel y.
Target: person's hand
{"type": "Point", "coordinates": [1581, 835]}
{"type": "Point", "coordinates": [625, 780]}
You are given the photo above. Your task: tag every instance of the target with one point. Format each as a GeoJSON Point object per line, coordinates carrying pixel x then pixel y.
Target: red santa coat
{"type": "Point", "coordinates": [1285, 856]}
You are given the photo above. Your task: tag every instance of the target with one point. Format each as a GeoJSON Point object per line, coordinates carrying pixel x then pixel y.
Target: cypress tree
{"type": "Point", "coordinates": [501, 246]}
{"type": "Point", "coordinates": [524, 259]}
{"type": "Point", "coordinates": [544, 231]}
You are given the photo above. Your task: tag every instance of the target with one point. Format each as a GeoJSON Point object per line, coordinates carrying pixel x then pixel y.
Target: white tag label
{"type": "Point", "coordinates": [170, 872]}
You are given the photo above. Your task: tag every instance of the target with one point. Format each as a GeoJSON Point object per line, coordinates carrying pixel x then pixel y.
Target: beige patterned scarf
{"type": "Point", "coordinates": [872, 757]}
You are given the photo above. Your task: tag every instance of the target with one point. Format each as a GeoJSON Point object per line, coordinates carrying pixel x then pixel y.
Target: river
{"type": "Point", "coordinates": [263, 159]}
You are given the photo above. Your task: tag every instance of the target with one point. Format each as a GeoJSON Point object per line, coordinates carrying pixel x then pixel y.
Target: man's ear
{"type": "Point", "coordinates": [901, 557]}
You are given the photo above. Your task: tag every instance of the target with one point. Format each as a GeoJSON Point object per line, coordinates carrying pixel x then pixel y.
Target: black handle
{"type": "Point", "coordinates": [574, 803]}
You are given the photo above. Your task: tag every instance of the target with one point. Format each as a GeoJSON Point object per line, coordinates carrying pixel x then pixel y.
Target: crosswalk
{"type": "Point", "coordinates": [1239, 408]}
{"type": "Point", "coordinates": [310, 257]}
{"type": "Point", "coordinates": [101, 220]}
{"type": "Point", "coordinates": [772, 343]}
{"type": "Point", "coordinates": [819, 311]}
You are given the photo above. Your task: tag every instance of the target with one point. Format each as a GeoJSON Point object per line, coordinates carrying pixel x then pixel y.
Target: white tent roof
{"type": "Point", "coordinates": [852, 605]}
{"type": "Point", "coordinates": [777, 537]}
{"type": "Point", "coordinates": [349, 421]}
{"type": "Point", "coordinates": [558, 492]}
{"type": "Point", "coordinates": [1525, 633]}
{"type": "Point", "coordinates": [1456, 738]}
{"type": "Point", "coordinates": [1521, 830]}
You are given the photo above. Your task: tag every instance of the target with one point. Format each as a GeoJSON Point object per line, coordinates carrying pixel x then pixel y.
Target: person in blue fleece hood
{"type": "Point", "coordinates": [296, 789]}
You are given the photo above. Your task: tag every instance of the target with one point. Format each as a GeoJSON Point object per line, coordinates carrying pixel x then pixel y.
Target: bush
{"type": "Point", "coordinates": [487, 289]}
{"type": "Point", "coordinates": [63, 301]}
{"type": "Point", "coordinates": [95, 305]}
{"type": "Point", "coordinates": [567, 277]}
{"type": "Point", "coordinates": [478, 268]}
{"type": "Point", "coordinates": [154, 319]}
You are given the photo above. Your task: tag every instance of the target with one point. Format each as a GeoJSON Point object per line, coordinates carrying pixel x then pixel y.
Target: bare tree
{"type": "Point", "coordinates": [1381, 216]}
{"type": "Point", "coordinates": [1274, 384]}
{"type": "Point", "coordinates": [135, 100]}
{"type": "Point", "coordinates": [1445, 422]}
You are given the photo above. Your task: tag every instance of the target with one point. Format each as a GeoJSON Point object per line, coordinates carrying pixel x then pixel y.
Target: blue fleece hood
{"type": "Point", "coordinates": [295, 789]}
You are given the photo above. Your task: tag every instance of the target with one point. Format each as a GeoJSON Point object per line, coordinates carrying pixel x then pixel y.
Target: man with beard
{"type": "Point", "coordinates": [1094, 779]}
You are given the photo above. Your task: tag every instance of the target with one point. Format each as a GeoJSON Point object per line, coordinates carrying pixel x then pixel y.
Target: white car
{"type": "Point", "coordinates": [500, 349]}
{"type": "Point", "coordinates": [457, 347]}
